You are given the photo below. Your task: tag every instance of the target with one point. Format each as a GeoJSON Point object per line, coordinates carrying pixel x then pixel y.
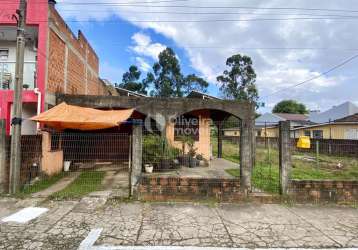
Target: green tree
{"type": "Point", "coordinates": [291, 107]}
{"type": "Point", "coordinates": [131, 81]}
{"type": "Point", "coordinates": [238, 82]}
{"type": "Point", "coordinates": [193, 82]}
{"type": "Point", "coordinates": [168, 80]}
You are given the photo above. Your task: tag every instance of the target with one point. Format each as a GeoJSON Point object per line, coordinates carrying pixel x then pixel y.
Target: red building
{"type": "Point", "coordinates": [56, 61]}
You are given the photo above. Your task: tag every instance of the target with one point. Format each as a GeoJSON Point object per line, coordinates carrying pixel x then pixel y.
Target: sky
{"type": "Point", "coordinates": [312, 42]}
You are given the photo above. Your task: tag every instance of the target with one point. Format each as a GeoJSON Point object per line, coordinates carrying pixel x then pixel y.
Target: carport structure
{"type": "Point", "coordinates": [167, 108]}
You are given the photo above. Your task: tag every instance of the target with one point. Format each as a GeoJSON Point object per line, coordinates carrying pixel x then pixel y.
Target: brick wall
{"type": "Point", "coordinates": [81, 76]}
{"type": "Point", "coordinates": [56, 64]}
{"type": "Point", "coordinates": [324, 191]}
{"type": "Point", "coordinates": [184, 188]}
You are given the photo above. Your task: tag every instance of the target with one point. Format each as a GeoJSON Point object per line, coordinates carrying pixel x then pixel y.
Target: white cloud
{"type": "Point", "coordinates": [142, 64]}
{"type": "Point", "coordinates": [275, 68]}
{"type": "Point", "coordinates": [144, 46]}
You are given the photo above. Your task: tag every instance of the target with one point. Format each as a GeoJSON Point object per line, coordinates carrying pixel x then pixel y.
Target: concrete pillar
{"type": "Point", "coordinates": [220, 139]}
{"type": "Point", "coordinates": [3, 177]}
{"type": "Point", "coordinates": [137, 155]}
{"type": "Point", "coordinates": [284, 155]}
{"type": "Point", "coordinates": [246, 148]}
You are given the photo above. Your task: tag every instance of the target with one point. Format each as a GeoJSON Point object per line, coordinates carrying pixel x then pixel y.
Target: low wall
{"type": "Point", "coordinates": [323, 191]}
{"type": "Point", "coordinates": [183, 188]}
{"type": "Point", "coordinates": [52, 160]}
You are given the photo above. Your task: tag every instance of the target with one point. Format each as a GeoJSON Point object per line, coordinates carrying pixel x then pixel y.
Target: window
{"type": "Point", "coordinates": [308, 133]}
{"type": "Point", "coordinates": [4, 54]}
{"type": "Point", "coordinates": [317, 134]}
{"type": "Point", "coordinates": [186, 126]}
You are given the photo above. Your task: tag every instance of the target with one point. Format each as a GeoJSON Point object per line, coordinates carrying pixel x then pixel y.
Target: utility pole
{"type": "Point", "coordinates": [15, 159]}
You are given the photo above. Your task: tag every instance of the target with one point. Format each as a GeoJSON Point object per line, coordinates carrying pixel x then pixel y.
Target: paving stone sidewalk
{"type": "Point", "coordinates": [68, 223]}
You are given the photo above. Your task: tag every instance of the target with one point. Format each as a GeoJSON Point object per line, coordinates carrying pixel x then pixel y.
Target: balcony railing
{"type": "Point", "coordinates": [7, 75]}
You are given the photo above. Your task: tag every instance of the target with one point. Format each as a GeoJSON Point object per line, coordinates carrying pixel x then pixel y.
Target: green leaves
{"type": "Point", "coordinates": [238, 82]}
{"type": "Point", "coordinates": [130, 81]}
{"type": "Point", "coordinates": [291, 107]}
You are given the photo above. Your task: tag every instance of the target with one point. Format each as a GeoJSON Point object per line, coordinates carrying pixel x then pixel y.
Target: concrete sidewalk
{"type": "Point", "coordinates": [68, 223]}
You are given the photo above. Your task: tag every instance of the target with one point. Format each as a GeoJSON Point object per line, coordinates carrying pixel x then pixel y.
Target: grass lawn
{"type": "Point", "coordinates": [85, 183]}
{"type": "Point", "coordinates": [266, 172]}
{"type": "Point", "coordinates": [42, 184]}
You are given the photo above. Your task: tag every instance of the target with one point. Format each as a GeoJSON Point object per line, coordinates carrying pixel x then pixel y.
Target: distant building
{"type": "Point", "coordinates": [56, 61]}
{"type": "Point", "coordinates": [345, 128]}
{"type": "Point", "coordinates": [334, 113]}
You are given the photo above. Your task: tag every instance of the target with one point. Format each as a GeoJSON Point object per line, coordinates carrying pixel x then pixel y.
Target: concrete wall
{"type": "Point", "coordinates": [203, 145]}
{"type": "Point", "coordinates": [52, 161]}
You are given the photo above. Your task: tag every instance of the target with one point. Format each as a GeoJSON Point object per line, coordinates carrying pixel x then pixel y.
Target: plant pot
{"type": "Point", "coordinates": [193, 162]}
{"type": "Point", "coordinates": [184, 160]}
{"type": "Point", "coordinates": [165, 164]}
{"type": "Point", "coordinates": [66, 166]}
{"type": "Point", "coordinates": [148, 168]}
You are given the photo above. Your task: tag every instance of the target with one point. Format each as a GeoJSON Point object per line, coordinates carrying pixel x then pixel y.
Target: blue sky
{"type": "Point", "coordinates": [285, 51]}
{"type": "Point", "coordinates": [112, 41]}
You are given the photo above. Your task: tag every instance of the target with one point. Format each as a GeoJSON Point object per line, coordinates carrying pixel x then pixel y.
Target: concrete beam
{"type": "Point", "coordinates": [284, 156]}
{"type": "Point", "coordinates": [3, 175]}
{"type": "Point", "coordinates": [168, 107]}
{"type": "Point", "coordinates": [137, 155]}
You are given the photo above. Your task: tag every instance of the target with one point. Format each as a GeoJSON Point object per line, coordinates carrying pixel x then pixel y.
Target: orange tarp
{"type": "Point", "coordinates": [65, 116]}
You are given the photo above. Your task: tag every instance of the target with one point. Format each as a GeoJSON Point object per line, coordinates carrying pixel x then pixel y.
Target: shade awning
{"type": "Point", "coordinates": [64, 116]}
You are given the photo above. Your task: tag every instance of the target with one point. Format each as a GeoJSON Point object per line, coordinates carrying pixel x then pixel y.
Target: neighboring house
{"type": "Point", "coordinates": [336, 112]}
{"type": "Point", "coordinates": [56, 61]}
{"type": "Point", "coordinates": [125, 92]}
{"type": "Point", "coordinates": [341, 129]}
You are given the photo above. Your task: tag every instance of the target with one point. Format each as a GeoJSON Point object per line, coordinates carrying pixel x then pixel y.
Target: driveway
{"type": "Point", "coordinates": [67, 225]}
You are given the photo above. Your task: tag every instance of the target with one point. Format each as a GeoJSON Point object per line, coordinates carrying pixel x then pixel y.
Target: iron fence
{"type": "Point", "coordinates": [70, 165]}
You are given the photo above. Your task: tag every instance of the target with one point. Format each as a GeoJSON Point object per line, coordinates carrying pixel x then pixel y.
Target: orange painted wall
{"type": "Point", "coordinates": [203, 146]}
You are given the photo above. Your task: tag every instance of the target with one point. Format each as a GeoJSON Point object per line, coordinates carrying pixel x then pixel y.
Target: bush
{"type": "Point", "coordinates": [157, 148]}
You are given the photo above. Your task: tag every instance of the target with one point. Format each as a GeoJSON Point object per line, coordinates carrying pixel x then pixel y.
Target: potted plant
{"type": "Point", "coordinates": [201, 161]}
{"type": "Point", "coordinates": [148, 168]}
{"type": "Point", "coordinates": [192, 153]}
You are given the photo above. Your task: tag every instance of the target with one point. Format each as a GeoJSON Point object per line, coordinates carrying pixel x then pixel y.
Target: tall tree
{"type": "Point", "coordinates": [131, 81]}
{"type": "Point", "coordinates": [168, 80]}
{"type": "Point", "coordinates": [291, 107]}
{"type": "Point", "coordinates": [238, 82]}
{"type": "Point", "coordinates": [193, 82]}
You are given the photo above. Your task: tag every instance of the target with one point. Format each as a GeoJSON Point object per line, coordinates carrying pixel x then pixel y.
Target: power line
{"type": "Point", "coordinates": [316, 77]}
{"type": "Point", "coordinates": [209, 20]}
{"type": "Point", "coordinates": [138, 4]}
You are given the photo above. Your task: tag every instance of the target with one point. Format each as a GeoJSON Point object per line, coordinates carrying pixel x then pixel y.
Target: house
{"type": "Point", "coordinates": [345, 128]}
{"type": "Point", "coordinates": [267, 124]}
{"type": "Point", "coordinates": [336, 112]}
{"type": "Point", "coordinates": [56, 61]}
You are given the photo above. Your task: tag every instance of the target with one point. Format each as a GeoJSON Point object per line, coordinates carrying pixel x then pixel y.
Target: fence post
{"type": "Point", "coordinates": [317, 153]}
{"type": "Point", "coordinates": [220, 139]}
{"type": "Point", "coordinates": [3, 177]}
{"type": "Point", "coordinates": [137, 154]}
{"type": "Point", "coordinates": [285, 156]}
{"type": "Point", "coordinates": [246, 154]}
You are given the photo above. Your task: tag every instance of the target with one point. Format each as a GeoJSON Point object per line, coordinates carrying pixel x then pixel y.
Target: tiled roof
{"type": "Point", "coordinates": [350, 118]}
{"type": "Point", "coordinates": [292, 117]}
